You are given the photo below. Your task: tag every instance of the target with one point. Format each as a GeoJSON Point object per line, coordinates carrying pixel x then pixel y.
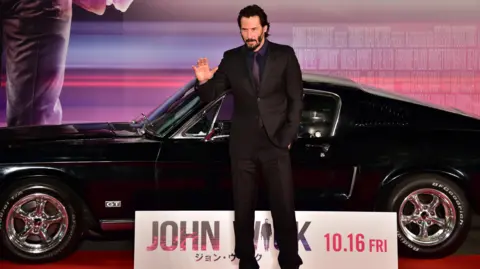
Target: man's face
{"type": "Point", "coordinates": [252, 32]}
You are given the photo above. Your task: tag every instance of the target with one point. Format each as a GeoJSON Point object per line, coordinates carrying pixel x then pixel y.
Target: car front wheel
{"type": "Point", "coordinates": [433, 216]}
{"type": "Point", "coordinates": [39, 221]}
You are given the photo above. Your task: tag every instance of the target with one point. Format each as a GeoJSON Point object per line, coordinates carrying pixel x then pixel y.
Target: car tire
{"type": "Point", "coordinates": [62, 220]}
{"type": "Point", "coordinates": [453, 203]}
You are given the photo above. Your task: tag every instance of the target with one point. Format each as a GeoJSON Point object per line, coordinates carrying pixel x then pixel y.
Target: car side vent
{"type": "Point", "coordinates": [385, 114]}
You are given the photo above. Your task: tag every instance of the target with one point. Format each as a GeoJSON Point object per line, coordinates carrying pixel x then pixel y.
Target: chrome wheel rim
{"type": "Point", "coordinates": [427, 217]}
{"type": "Point", "coordinates": [37, 223]}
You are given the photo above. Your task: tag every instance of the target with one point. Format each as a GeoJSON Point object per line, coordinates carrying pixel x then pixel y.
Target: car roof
{"type": "Point", "coordinates": [329, 79]}
{"type": "Point", "coordinates": [342, 81]}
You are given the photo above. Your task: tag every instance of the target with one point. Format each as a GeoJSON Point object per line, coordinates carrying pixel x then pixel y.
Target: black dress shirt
{"type": "Point", "coordinates": [261, 58]}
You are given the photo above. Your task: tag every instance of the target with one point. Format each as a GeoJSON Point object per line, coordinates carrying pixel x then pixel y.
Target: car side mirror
{"type": "Point", "coordinates": [217, 132]}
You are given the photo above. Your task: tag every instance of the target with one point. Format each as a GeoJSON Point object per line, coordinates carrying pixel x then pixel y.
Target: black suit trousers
{"type": "Point", "coordinates": [273, 164]}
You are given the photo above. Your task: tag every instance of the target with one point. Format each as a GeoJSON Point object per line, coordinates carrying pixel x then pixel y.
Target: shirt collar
{"type": "Point", "coordinates": [263, 49]}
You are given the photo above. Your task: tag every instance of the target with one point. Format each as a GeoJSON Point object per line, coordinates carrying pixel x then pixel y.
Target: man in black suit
{"type": "Point", "coordinates": [266, 82]}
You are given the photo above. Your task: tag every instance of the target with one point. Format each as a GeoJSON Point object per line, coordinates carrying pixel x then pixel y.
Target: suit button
{"type": "Point", "coordinates": [258, 99]}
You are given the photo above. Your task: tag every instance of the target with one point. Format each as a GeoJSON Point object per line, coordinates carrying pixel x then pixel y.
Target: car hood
{"type": "Point", "coordinates": [68, 131]}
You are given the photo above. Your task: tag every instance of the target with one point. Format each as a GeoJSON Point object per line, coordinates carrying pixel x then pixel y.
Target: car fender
{"type": "Point", "coordinates": [8, 173]}
{"type": "Point", "coordinates": [398, 174]}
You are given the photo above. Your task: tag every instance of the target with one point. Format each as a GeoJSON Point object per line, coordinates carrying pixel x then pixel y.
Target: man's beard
{"type": "Point", "coordinates": [255, 45]}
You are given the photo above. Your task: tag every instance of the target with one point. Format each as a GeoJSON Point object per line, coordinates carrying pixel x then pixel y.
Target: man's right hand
{"type": "Point", "coordinates": [202, 70]}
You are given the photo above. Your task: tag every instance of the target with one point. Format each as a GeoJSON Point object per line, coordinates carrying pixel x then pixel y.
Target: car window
{"type": "Point", "coordinates": [318, 115]}
{"type": "Point", "coordinates": [202, 126]}
{"type": "Point", "coordinates": [226, 111]}
{"type": "Point", "coordinates": [224, 117]}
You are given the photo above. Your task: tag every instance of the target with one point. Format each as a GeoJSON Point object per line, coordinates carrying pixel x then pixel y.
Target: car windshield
{"type": "Point", "coordinates": [167, 104]}
{"type": "Point", "coordinates": [174, 112]}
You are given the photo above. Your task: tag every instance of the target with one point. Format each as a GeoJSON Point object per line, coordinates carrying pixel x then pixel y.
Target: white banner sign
{"type": "Point", "coordinates": [205, 239]}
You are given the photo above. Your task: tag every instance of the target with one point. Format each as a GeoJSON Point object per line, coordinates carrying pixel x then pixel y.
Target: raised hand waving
{"type": "Point", "coordinates": [203, 71]}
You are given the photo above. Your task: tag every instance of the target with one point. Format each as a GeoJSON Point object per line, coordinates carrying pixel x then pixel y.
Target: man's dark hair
{"type": "Point", "coordinates": [252, 11]}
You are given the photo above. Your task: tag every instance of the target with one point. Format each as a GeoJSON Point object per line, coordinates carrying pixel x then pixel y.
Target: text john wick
{"type": "Point", "coordinates": [169, 235]}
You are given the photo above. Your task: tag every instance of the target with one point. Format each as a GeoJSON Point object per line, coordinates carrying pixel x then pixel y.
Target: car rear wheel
{"type": "Point", "coordinates": [40, 221]}
{"type": "Point", "coordinates": [433, 216]}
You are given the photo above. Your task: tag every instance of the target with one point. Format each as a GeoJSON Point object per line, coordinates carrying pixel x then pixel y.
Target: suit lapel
{"type": "Point", "coordinates": [249, 83]}
{"type": "Point", "coordinates": [269, 65]}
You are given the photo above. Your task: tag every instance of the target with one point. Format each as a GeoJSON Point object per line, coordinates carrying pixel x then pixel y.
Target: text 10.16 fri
{"type": "Point", "coordinates": [354, 243]}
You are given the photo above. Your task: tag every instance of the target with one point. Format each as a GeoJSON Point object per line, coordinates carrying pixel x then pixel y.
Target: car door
{"type": "Point", "coordinates": [321, 168]}
{"type": "Point", "coordinates": [117, 173]}
{"type": "Point", "coordinates": [183, 174]}
{"type": "Point", "coordinates": [219, 157]}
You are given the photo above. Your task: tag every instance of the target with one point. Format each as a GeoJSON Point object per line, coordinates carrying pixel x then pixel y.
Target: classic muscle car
{"type": "Point", "coordinates": [358, 149]}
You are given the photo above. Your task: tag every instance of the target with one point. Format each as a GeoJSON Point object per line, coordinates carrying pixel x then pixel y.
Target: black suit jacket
{"type": "Point", "coordinates": [277, 102]}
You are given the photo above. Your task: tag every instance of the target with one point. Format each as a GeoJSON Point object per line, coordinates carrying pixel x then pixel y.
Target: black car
{"type": "Point", "coordinates": [358, 149]}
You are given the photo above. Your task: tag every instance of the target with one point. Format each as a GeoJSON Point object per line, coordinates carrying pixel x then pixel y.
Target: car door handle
{"type": "Point", "coordinates": [323, 147]}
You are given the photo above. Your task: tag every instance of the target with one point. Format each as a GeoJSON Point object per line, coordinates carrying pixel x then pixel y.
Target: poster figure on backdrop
{"type": "Point", "coordinates": [266, 233]}
{"type": "Point", "coordinates": [35, 36]}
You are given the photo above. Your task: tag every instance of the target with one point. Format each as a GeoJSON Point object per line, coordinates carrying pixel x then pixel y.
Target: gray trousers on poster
{"type": "Point", "coordinates": [35, 36]}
